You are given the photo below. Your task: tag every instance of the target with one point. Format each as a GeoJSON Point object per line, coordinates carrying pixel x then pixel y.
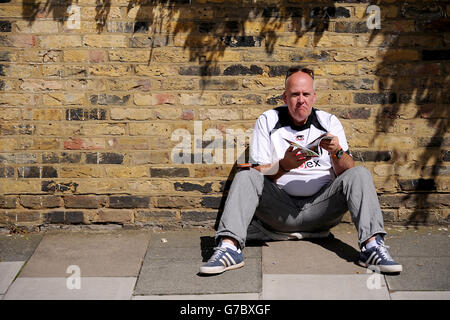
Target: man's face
{"type": "Point", "coordinates": [299, 96]}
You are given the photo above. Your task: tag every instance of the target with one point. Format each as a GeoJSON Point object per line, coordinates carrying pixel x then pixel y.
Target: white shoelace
{"type": "Point", "coordinates": [217, 253]}
{"type": "Point", "coordinates": [382, 248]}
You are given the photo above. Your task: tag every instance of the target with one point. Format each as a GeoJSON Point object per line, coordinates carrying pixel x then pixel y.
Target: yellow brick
{"type": "Point", "coordinates": [34, 85]}
{"type": "Point", "coordinates": [150, 129]}
{"type": "Point", "coordinates": [198, 99]}
{"type": "Point", "coordinates": [9, 11]}
{"type": "Point", "coordinates": [37, 26]}
{"type": "Point", "coordinates": [105, 41]}
{"type": "Point", "coordinates": [154, 70]}
{"type": "Point", "coordinates": [45, 144]}
{"type": "Point", "coordinates": [331, 41]}
{"type": "Point", "coordinates": [219, 114]}
{"type": "Point", "coordinates": [48, 114]}
{"type": "Point", "coordinates": [89, 13]}
{"type": "Point", "coordinates": [59, 41]}
{"type": "Point", "coordinates": [81, 171]}
{"type": "Point", "coordinates": [130, 55]}
{"type": "Point", "coordinates": [124, 143]}
{"type": "Point", "coordinates": [400, 55]}
{"type": "Point", "coordinates": [141, 99]}
{"type": "Point", "coordinates": [17, 99]}
{"type": "Point", "coordinates": [85, 85]}
{"type": "Point", "coordinates": [109, 70]}
{"type": "Point", "coordinates": [114, 215]}
{"type": "Point", "coordinates": [9, 113]}
{"type": "Point", "coordinates": [8, 144]}
{"type": "Point", "coordinates": [13, 186]}
{"type": "Point", "coordinates": [103, 129]}
{"type": "Point", "coordinates": [154, 186]}
{"type": "Point", "coordinates": [258, 27]}
{"type": "Point", "coordinates": [63, 98]}
{"type": "Point", "coordinates": [76, 55]}
{"type": "Point", "coordinates": [126, 172]}
{"type": "Point", "coordinates": [57, 129]}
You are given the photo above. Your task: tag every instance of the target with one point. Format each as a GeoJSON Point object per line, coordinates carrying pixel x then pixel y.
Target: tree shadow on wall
{"type": "Point", "coordinates": [413, 87]}
{"type": "Point", "coordinates": [412, 81]}
{"type": "Point", "coordinates": [204, 31]}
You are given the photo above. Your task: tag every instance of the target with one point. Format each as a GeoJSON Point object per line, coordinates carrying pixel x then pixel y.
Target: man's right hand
{"type": "Point", "coordinates": [293, 159]}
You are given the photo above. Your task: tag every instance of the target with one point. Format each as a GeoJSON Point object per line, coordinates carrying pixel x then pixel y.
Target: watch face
{"type": "Point", "coordinates": [339, 154]}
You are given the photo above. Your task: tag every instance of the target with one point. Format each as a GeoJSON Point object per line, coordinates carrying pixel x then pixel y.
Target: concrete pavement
{"type": "Point", "coordinates": [148, 265]}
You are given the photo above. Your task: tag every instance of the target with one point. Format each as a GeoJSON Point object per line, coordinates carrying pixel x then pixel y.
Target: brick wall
{"type": "Point", "coordinates": [98, 97]}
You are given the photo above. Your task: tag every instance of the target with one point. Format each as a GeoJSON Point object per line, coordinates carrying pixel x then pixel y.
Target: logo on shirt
{"type": "Point", "coordinates": [300, 137]}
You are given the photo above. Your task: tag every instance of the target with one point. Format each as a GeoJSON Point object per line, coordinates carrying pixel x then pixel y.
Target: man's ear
{"type": "Point", "coordinates": [285, 97]}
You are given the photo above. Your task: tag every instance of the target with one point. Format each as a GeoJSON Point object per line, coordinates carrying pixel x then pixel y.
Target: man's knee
{"type": "Point", "coordinates": [359, 173]}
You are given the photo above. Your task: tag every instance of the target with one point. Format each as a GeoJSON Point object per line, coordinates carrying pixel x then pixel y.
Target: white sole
{"type": "Point", "coordinates": [218, 270]}
{"type": "Point", "coordinates": [387, 269]}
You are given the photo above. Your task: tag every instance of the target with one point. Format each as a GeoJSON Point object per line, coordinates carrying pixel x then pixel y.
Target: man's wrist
{"type": "Point", "coordinates": [281, 167]}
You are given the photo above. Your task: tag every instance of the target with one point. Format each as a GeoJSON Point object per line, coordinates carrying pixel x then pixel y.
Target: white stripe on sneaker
{"type": "Point", "coordinates": [226, 259]}
{"type": "Point", "coordinates": [231, 258]}
{"type": "Point", "coordinates": [223, 262]}
{"type": "Point", "coordinates": [372, 257]}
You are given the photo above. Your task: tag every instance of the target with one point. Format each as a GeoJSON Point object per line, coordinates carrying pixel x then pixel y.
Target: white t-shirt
{"type": "Point", "coordinates": [268, 146]}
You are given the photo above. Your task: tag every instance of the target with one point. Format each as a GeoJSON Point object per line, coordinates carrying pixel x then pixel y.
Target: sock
{"type": "Point", "coordinates": [228, 245]}
{"type": "Point", "coordinates": [371, 244]}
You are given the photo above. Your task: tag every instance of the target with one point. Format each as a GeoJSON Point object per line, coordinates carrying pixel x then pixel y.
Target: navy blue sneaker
{"type": "Point", "coordinates": [222, 260]}
{"type": "Point", "coordinates": [378, 258]}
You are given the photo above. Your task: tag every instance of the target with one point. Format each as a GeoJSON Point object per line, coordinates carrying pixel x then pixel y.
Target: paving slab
{"type": "Point", "coordinates": [336, 254]}
{"type": "Point", "coordinates": [424, 253]}
{"type": "Point", "coordinates": [231, 296]}
{"type": "Point", "coordinates": [8, 272]}
{"type": "Point", "coordinates": [420, 295]}
{"type": "Point", "coordinates": [173, 260]}
{"type": "Point", "coordinates": [95, 288]}
{"type": "Point", "coordinates": [18, 247]}
{"type": "Point", "coordinates": [324, 287]}
{"type": "Point", "coordinates": [114, 254]}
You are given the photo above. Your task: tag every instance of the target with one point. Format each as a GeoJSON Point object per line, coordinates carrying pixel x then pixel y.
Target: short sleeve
{"type": "Point", "coordinates": [260, 144]}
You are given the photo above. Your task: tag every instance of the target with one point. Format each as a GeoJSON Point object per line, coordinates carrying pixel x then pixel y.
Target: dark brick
{"type": "Point", "coordinates": [429, 55]}
{"type": "Point", "coordinates": [19, 129]}
{"type": "Point", "coordinates": [199, 71]}
{"type": "Point", "coordinates": [64, 157]}
{"type": "Point", "coordinates": [351, 27]}
{"type": "Point", "coordinates": [310, 55]}
{"type": "Point", "coordinates": [188, 186]}
{"type": "Point", "coordinates": [353, 84]}
{"type": "Point", "coordinates": [5, 26]}
{"type": "Point", "coordinates": [169, 172]}
{"type": "Point", "coordinates": [329, 12]}
{"type": "Point", "coordinates": [39, 202]}
{"type": "Point", "coordinates": [5, 1]}
{"type": "Point", "coordinates": [446, 155]}
{"type": "Point", "coordinates": [55, 217]}
{"type": "Point", "coordinates": [2, 85]}
{"type": "Point", "coordinates": [352, 113]}
{"type": "Point", "coordinates": [129, 202]}
{"type": "Point", "coordinates": [198, 216]}
{"type": "Point", "coordinates": [271, 12]}
{"type": "Point", "coordinates": [391, 201]}
{"type": "Point", "coordinates": [6, 172]}
{"type": "Point", "coordinates": [273, 101]}
{"type": "Point", "coordinates": [150, 214]}
{"type": "Point", "coordinates": [107, 99]}
{"type": "Point", "coordinates": [408, 97]}
{"type": "Point", "coordinates": [215, 84]}
{"type": "Point", "coordinates": [239, 69]}
{"type": "Point", "coordinates": [242, 41]}
{"type": "Point", "coordinates": [388, 215]}
{"type": "Point", "coordinates": [206, 27]}
{"type": "Point", "coordinates": [372, 155]}
{"type": "Point", "coordinates": [211, 202]}
{"type": "Point", "coordinates": [294, 12]}
{"type": "Point", "coordinates": [227, 99]}
{"type": "Point", "coordinates": [49, 172]}
{"type": "Point", "coordinates": [424, 12]}
{"type": "Point", "coordinates": [85, 114]}
{"type": "Point", "coordinates": [104, 158]}
{"type": "Point", "coordinates": [417, 184]}
{"type": "Point", "coordinates": [5, 56]}
{"type": "Point", "coordinates": [374, 98]}
{"type": "Point", "coordinates": [140, 27]}
{"type": "Point", "coordinates": [7, 202]}
{"type": "Point", "coordinates": [2, 69]}
{"type": "Point", "coordinates": [276, 71]}
{"type": "Point", "coordinates": [433, 142]}
{"type": "Point", "coordinates": [73, 217]}
{"type": "Point", "coordinates": [85, 202]}
{"type": "Point", "coordinates": [441, 25]}
{"type": "Point", "coordinates": [52, 186]}
{"type": "Point", "coordinates": [28, 172]}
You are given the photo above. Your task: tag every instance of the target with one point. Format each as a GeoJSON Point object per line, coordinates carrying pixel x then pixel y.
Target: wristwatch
{"type": "Point", "coordinates": [338, 154]}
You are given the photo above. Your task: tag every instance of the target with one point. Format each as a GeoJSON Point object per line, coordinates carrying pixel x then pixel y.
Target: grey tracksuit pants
{"type": "Point", "coordinates": [253, 195]}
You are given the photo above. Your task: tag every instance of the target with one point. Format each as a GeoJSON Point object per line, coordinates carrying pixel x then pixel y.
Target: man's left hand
{"type": "Point", "coordinates": [332, 146]}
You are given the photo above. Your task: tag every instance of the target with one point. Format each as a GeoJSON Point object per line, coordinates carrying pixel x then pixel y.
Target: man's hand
{"type": "Point", "coordinates": [331, 145]}
{"type": "Point", "coordinates": [292, 159]}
